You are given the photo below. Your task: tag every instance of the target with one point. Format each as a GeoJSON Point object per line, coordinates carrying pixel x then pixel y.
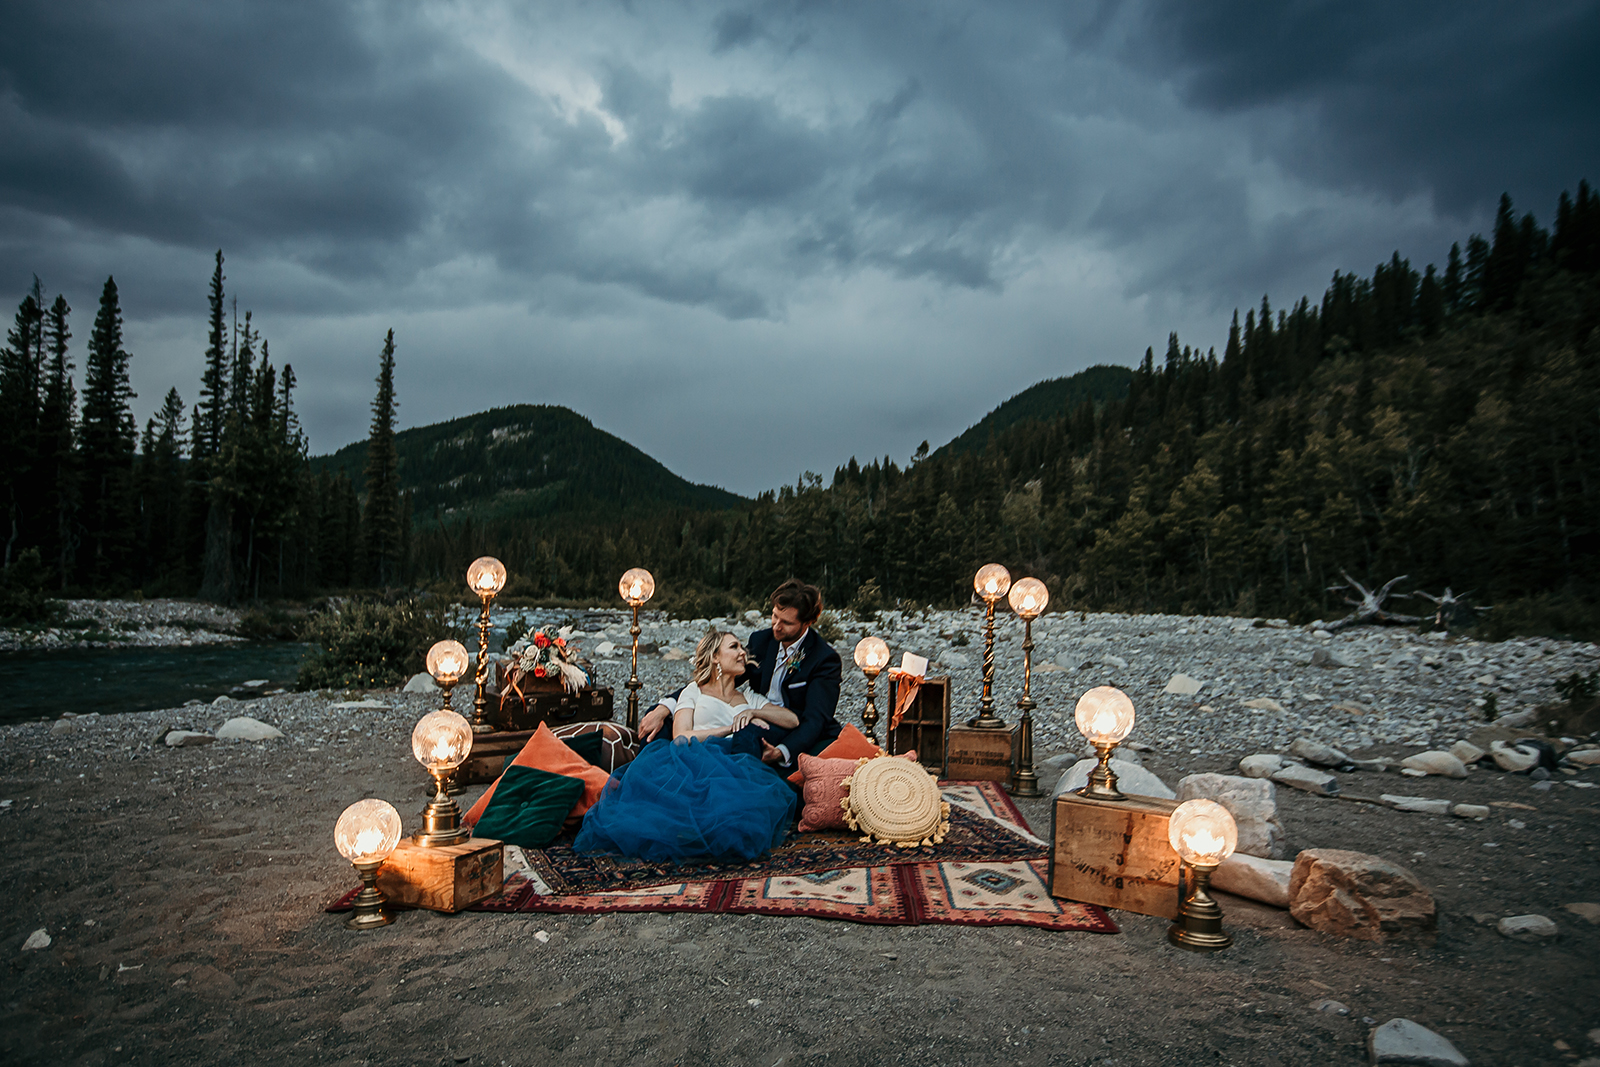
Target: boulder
{"type": "Point", "coordinates": [1467, 752]}
{"type": "Point", "coordinates": [421, 682]}
{"type": "Point", "coordinates": [1261, 765]}
{"type": "Point", "coordinates": [1403, 1041]}
{"type": "Point", "coordinates": [1131, 779]}
{"type": "Point", "coordinates": [1426, 805]}
{"type": "Point", "coordinates": [1255, 878]}
{"type": "Point", "coordinates": [1534, 929]}
{"type": "Point", "coordinates": [1317, 752]}
{"type": "Point", "coordinates": [1513, 759]}
{"type": "Point", "coordinates": [187, 739]}
{"type": "Point", "coordinates": [1253, 803]}
{"type": "Point", "coordinates": [244, 728]}
{"type": "Point", "coordinates": [1440, 763]}
{"type": "Point", "coordinates": [1183, 686]}
{"type": "Point", "coordinates": [1307, 778]}
{"type": "Point", "coordinates": [1356, 895]}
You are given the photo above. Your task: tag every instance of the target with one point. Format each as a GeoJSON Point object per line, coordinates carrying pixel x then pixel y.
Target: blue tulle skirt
{"type": "Point", "coordinates": [693, 801]}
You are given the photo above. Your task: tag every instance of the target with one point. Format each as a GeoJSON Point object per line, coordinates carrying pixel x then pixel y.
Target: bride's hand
{"type": "Point", "coordinates": [741, 720]}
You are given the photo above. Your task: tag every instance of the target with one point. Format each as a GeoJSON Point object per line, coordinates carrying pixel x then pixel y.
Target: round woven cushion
{"type": "Point", "coordinates": [895, 800]}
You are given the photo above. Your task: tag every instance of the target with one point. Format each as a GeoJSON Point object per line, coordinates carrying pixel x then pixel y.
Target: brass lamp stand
{"type": "Point", "coordinates": [486, 577]}
{"type": "Point", "coordinates": [441, 819]}
{"type": "Point", "coordinates": [991, 582]}
{"type": "Point", "coordinates": [1203, 833]}
{"type": "Point", "coordinates": [441, 742]}
{"type": "Point", "coordinates": [636, 587]}
{"type": "Point", "coordinates": [1028, 599]}
{"type": "Point", "coordinates": [370, 912]}
{"type": "Point", "coordinates": [1199, 925]}
{"type": "Point", "coordinates": [872, 655]}
{"type": "Point", "coordinates": [1104, 716]}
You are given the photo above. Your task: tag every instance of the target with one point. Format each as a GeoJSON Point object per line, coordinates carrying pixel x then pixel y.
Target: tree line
{"type": "Point", "coordinates": [217, 501]}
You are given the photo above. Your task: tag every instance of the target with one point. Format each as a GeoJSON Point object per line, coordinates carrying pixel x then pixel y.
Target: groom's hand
{"type": "Point", "coordinates": [651, 724]}
{"type": "Point", "coordinates": [770, 753]}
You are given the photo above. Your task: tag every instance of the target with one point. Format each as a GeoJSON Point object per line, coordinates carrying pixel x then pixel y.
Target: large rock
{"type": "Point", "coordinates": [1467, 752]}
{"type": "Point", "coordinates": [1255, 878]}
{"type": "Point", "coordinates": [1308, 779]}
{"type": "Point", "coordinates": [1182, 685]}
{"type": "Point", "coordinates": [1403, 1041]}
{"type": "Point", "coordinates": [421, 682]}
{"type": "Point", "coordinates": [1131, 779]}
{"type": "Point", "coordinates": [244, 728]}
{"type": "Point", "coordinates": [1356, 895]}
{"type": "Point", "coordinates": [1317, 752]}
{"type": "Point", "coordinates": [1261, 765]}
{"type": "Point", "coordinates": [1513, 759]}
{"type": "Point", "coordinates": [1534, 929]}
{"type": "Point", "coordinates": [1253, 802]}
{"type": "Point", "coordinates": [1440, 763]}
{"type": "Point", "coordinates": [187, 738]}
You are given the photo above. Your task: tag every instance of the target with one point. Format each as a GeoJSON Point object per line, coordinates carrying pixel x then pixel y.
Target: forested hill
{"type": "Point", "coordinates": [1044, 401]}
{"type": "Point", "coordinates": [524, 461]}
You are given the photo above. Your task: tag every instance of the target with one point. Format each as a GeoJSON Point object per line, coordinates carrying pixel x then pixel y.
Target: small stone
{"type": "Point", "coordinates": [1356, 895]}
{"type": "Point", "coordinates": [606, 648]}
{"type": "Point", "coordinates": [1351, 707]}
{"type": "Point", "coordinates": [948, 657]}
{"type": "Point", "coordinates": [1516, 719]}
{"type": "Point", "coordinates": [1253, 803]}
{"type": "Point", "coordinates": [674, 655]}
{"type": "Point", "coordinates": [1403, 1041]}
{"type": "Point", "coordinates": [1543, 787]}
{"type": "Point", "coordinates": [1412, 772]}
{"type": "Point", "coordinates": [1182, 685]}
{"type": "Point", "coordinates": [1534, 929]}
{"type": "Point", "coordinates": [1332, 1007]}
{"type": "Point", "coordinates": [1440, 763]}
{"type": "Point", "coordinates": [421, 682]}
{"type": "Point", "coordinates": [1588, 912]}
{"type": "Point", "coordinates": [64, 726]}
{"type": "Point", "coordinates": [1589, 757]}
{"type": "Point", "coordinates": [1255, 878]}
{"type": "Point", "coordinates": [1470, 811]}
{"type": "Point", "coordinates": [1131, 779]}
{"type": "Point", "coordinates": [223, 699]}
{"type": "Point", "coordinates": [1307, 778]}
{"type": "Point", "coordinates": [1321, 635]}
{"type": "Point", "coordinates": [1425, 805]}
{"type": "Point", "coordinates": [244, 728]}
{"type": "Point", "coordinates": [1261, 765]}
{"type": "Point", "coordinates": [187, 739]}
{"type": "Point", "coordinates": [1514, 760]}
{"type": "Point", "coordinates": [1264, 704]}
{"type": "Point", "coordinates": [352, 705]}
{"type": "Point", "coordinates": [1114, 661]}
{"type": "Point", "coordinates": [1317, 752]}
{"type": "Point", "coordinates": [1377, 765]}
{"type": "Point", "coordinates": [1467, 752]}
{"type": "Point", "coordinates": [1484, 679]}
{"type": "Point", "coordinates": [39, 939]}
{"type": "Point", "coordinates": [1539, 774]}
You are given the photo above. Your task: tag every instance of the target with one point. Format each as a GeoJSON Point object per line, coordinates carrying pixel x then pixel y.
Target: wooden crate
{"type": "Point", "coordinates": [552, 705]}
{"type": "Point", "coordinates": [489, 754]}
{"type": "Point", "coordinates": [985, 754]}
{"type": "Point", "coordinates": [926, 722]}
{"type": "Point", "coordinates": [447, 878]}
{"type": "Point", "coordinates": [1114, 853]}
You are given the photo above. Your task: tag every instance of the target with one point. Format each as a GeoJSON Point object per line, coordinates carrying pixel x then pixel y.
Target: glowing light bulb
{"type": "Point", "coordinates": [486, 576]}
{"type": "Point", "coordinates": [636, 586]}
{"type": "Point", "coordinates": [441, 740]}
{"type": "Point", "coordinates": [992, 581]}
{"type": "Point", "coordinates": [872, 654]}
{"type": "Point", "coordinates": [367, 831]}
{"type": "Point", "coordinates": [1203, 832]}
{"type": "Point", "coordinates": [1028, 598]}
{"type": "Point", "coordinates": [1104, 715]}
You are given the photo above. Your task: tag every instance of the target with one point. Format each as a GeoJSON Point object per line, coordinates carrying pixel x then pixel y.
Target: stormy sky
{"type": "Point", "coordinates": [754, 239]}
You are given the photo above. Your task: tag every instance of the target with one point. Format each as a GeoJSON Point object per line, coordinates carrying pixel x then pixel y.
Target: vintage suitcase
{"type": "Point", "coordinates": [1114, 853]}
{"type": "Point", "coordinates": [984, 754]}
{"type": "Point", "coordinates": [549, 702]}
{"type": "Point", "coordinates": [923, 727]}
{"type": "Point", "coordinates": [447, 878]}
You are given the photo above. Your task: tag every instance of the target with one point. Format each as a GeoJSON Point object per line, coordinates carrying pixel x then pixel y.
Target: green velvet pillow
{"type": "Point", "coordinates": [529, 807]}
{"type": "Point", "coordinates": [587, 745]}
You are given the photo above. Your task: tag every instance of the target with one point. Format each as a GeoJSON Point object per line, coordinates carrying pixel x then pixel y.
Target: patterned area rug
{"type": "Point", "coordinates": [993, 873]}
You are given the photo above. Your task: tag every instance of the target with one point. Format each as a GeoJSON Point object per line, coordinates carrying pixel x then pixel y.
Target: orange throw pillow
{"type": "Point", "coordinates": [824, 791]}
{"type": "Point", "coordinates": [851, 744]}
{"type": "Point", "coordinates": [546, 752]}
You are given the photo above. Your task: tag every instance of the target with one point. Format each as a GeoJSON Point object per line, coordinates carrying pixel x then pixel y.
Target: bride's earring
{"type": "Point", "coordinates": [719, 674]}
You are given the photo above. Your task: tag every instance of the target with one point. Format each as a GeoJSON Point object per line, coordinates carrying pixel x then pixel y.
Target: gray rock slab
{"type": "Point", "coordinates": [1131, 779]}
{"type": "Point", "coordinates": [421, 682]}
{"type": "Point", "coordinates": [1308, 779]}
{"type": "Point", "coordinates": [1256, 878]}
{"type": "Point", "coordinates": [1425, 805]}
{"type": "Point", "coordinates": [1403, 1041]}
{"type": "Point", "coordinates": [1467, 752]}
{"type": "Point", "coordinates": [244, 728]}
{"type": "Point", "coordinates": [1534, 929]}
{"type": "Point", "coordinates": [1440, 763]}
{"type": "Point", "coordinates": [1253, 803]}
{"type": "Point", "coordinates": [1261, 765]}
{"type": "Point", "coordinates": [1317, 752]}
{"type": "Point", "coordinates": [187, 739]}
{"type": "Point", "coordinates": [1182, 685]}
{"type": "Point", "coordinates": [1470, 811]}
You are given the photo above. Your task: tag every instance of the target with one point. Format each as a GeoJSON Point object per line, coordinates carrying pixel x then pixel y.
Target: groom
{"type": "Point", "coordinates": [794, 667]}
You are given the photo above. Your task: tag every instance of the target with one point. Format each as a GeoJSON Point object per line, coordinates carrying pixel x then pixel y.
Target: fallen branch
{"type": "Point", "coordinates": [1369, 609]}
{"type": "Point", "coordinates": [1450, 609]}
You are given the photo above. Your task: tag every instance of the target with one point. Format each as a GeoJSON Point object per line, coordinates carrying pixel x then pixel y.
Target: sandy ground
{"type": "Point", "coordinates": [183, 892]}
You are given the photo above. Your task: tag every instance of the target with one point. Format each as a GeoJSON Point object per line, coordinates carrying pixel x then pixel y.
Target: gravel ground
{"type": "Point", "coordinates": [183, 890]}
{"type": "Point", "coordinates": [105, 623]}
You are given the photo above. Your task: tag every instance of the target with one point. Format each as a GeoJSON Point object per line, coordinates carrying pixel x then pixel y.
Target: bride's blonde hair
{"type": "Point", "coordinates": [704, 652]}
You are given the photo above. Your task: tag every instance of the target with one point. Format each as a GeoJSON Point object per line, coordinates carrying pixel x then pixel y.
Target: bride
{"type": "Point", "coordinates": [691, 798]}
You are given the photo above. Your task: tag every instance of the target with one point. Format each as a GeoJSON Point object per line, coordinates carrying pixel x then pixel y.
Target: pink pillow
{"type": "Point", "coordinates": [824, 792]}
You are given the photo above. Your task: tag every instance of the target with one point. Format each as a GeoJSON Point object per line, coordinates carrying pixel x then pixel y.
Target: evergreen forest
{"type": "Point", "coordinates": [1441, 424]}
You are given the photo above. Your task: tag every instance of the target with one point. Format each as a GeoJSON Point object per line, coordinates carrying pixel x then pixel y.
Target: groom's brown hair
{"type": "Point", "coordinates": [805, 599]}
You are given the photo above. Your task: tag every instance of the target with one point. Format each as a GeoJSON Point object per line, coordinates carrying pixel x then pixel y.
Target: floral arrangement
{"type": "Point", "coordinates": [544, 654]}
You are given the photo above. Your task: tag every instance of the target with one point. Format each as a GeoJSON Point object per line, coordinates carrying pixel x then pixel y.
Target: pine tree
{"type": "Point", "coordinates": [21, 364]}
{"type": "Point", "coordinates": [381, 523]}
{"type": "Point", "coordinates": [57, 447]}
{"type": "Point", "coordinates": [107, 446]}
{"type": "Point", "coordinates": [211, 411]}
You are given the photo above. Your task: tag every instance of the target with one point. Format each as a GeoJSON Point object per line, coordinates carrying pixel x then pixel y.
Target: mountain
{"type": "Point", "coordinates": [1049, 399]}
{"type": "Point", "coordinates": [524, 461]}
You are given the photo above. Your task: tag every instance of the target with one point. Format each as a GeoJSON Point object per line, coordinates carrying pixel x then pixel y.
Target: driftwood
{"type": "Point", "coordinates": [1450, 609]}
{"type": "Point", "coordinates": [1370, 607]}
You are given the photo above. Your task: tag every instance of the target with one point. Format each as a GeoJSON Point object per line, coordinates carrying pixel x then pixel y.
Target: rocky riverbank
{"type": "Point", "coordinates": [112, 623]}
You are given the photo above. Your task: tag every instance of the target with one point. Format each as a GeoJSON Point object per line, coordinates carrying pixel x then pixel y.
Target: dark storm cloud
{"type": "Point", "coordinates": [1459, 99]}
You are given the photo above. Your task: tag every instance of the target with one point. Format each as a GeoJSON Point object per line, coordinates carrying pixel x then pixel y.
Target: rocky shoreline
{"type": "Point", "coordinates": [128, 623]}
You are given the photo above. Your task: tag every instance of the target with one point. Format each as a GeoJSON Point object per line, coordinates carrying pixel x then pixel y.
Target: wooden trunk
{"type": "Point", "coordinates": [447, 878]}
{"type": "Point", "coordinates": [489, 754]}
{"type": "Point", "coordinates": [926, 722]}
{"type": "Point", "coordinates": [1115, 854]}
{"type": "Point", "coordinates": [551, 704]}
{"type": "Point", "coordinates": [982, 754]}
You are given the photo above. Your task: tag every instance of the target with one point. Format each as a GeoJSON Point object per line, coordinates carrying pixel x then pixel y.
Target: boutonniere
{"type": "Point", "coordinates": [790, 662]}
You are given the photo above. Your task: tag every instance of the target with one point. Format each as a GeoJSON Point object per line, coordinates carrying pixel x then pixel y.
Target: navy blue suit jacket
{"type": "Point", "coordinates": [810, 689]}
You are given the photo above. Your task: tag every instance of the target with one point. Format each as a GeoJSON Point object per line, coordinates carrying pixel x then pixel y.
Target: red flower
{"type": "Point", "coordinates": [538, 672]}
{"type": "Point", "coordinates": [561, 642]}
{"type": "Point", "coordinates": [541, 641]}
